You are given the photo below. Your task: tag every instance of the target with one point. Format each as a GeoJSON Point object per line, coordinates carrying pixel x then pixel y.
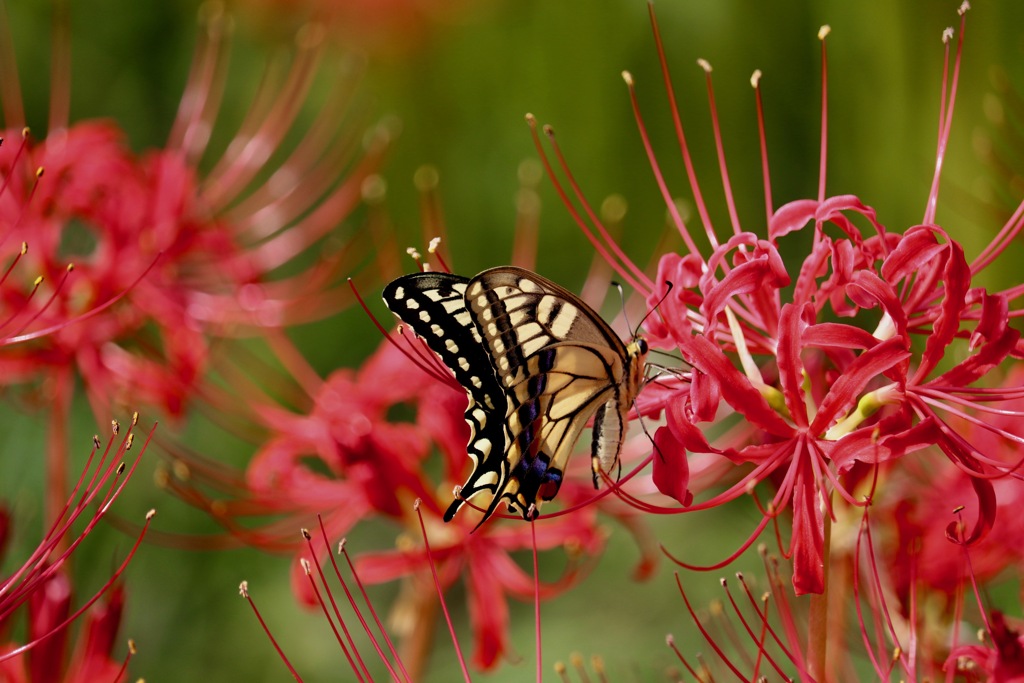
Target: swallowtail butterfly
{"type": "Point", "coordinates": [537, 364]}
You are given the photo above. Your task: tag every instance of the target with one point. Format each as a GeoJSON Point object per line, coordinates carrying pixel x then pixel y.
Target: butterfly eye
{"type": "Point", "coordinates": [641, 344]}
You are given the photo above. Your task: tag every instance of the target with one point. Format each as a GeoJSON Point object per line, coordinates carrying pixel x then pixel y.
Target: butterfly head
{"type": "Point", "coordinates": [636, 353]}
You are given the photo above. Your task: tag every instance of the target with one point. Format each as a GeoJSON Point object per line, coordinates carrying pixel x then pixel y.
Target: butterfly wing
{"type": "Point", "coordinates": [536, 362]}
{"type": "Point", "coordinates": [558, 363]}
{"type": "Point", "coordinates": [434, 306]}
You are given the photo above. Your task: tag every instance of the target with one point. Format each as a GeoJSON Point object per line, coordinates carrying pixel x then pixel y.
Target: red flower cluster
{"type": "Point", "coordinates": [123, 267]}
{"type": "Point", "coordinates": [818, 361]}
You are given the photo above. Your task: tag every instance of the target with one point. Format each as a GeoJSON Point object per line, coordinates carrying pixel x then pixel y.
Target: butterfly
{"type": "Point", "coordinates": [537, 363]}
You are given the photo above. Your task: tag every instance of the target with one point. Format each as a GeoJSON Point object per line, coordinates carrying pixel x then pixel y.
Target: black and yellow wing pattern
{"type": "Point", "coordinates": [537, 364]}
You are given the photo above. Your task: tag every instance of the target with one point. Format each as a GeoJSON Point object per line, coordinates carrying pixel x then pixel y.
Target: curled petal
{"type": "Point", "coordinates": [670, 320]}
{"type": "Point", "coordinates": [704, 397]}
{"type": "Point", "coordinates": [986, 515]}
{"type": "Point", "coordinates": [671, 471]}
{"type": "Point", "coordinates": [735, 387]}
{"type": "Point", "coordinates": [978, 364]}
{"type": "Point", "coordinates": [866, 445]}
{"type": "Point", "coordinates": [917, 250]}
{"type": "Point", "coordinates": [791, 217]}
{"type": "Point", "coordinates": [837, 336]}
{"type": "Point", "coordinates": [795, 215]}
{"type": "Point", "coordinates": [867, 290]}
{"type": "Point", "coordinates": [791, 368]}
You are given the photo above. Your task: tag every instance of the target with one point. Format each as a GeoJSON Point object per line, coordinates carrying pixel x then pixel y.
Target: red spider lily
{"type": "Point", "coordinates": [213, 241]}
{"type": "Point", "coordinates": [818, 361]}
{"type": "Point", "coordinates": [347, 457]}
{"type": "Point", "coordinates": [174, 254]}
{"type": "Point", "coordinates": [41, 590]}
{"type": "Point", "coordinates": [351, 459]}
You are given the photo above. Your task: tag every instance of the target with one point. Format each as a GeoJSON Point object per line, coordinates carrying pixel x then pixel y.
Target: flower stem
{"type": "Point", "coordinates": [422, 612]}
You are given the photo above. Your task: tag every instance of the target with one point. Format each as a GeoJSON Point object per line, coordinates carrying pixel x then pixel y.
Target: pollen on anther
{"type": "Point", "coordinates": [947, 34]}
{"type": "Point", "coordinates": [755, 78]}
{"type": "Point", "coordinates": [305, 566]}
{"type": "Point", "coordinates": [151, 514]}
{"type": "Point", "coordinates": [305, 534]}
{"type": "Point", "coordinates": [628, 77]}
{"type": "Point", "coordinates": [824, 31]}
{"type": "Point", "coordinates": [963, 8]}
{"type": "Point", "coordinates": [243, 589]}
{"type": "Point", "coordinates": [704, 64]}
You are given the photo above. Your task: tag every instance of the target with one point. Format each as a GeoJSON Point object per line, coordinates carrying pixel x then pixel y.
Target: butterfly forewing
{"type": "Point", "coordinates": [434, 306]}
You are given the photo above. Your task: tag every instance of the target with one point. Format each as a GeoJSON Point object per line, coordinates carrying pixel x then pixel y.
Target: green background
{"type": "Point", "coordinates": [460, 90]}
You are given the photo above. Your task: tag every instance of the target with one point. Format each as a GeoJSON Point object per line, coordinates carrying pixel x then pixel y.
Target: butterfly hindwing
{"type": "Point", "coordinates": [558, 362]}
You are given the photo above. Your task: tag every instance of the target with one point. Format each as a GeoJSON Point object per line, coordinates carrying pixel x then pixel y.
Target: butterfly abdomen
{"type": "Point", "coordinates": [609, 433]}
{"type": "Point", "coordinates": [610, 420]}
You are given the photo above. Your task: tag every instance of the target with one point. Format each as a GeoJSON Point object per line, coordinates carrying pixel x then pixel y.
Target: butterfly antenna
{"type": "Point", "coordinates": [668, 290]}
{"type": "Point", "coordinates": [622, 302]}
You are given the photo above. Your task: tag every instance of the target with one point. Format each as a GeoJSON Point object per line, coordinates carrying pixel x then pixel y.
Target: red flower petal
{"type": "Point", "coordinates": [807, 544]}
{"type": "Point", "coordinates": [671, 472]}
{"type": "Point", "coordinates": [867, 366]}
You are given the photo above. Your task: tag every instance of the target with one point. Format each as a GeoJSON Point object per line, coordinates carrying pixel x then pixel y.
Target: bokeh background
{"type": "Point", "coordinates": [457, 79]}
